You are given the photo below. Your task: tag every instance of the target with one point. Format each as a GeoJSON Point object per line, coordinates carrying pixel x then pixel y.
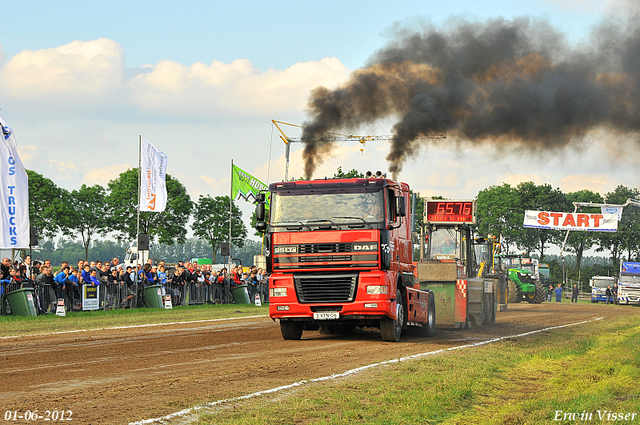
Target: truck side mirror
{"type": "Point", "coordinates": [261, 225]}
{"type": "Point", "coordinates": [400, 206]}
{"type": "Point", "coordinates": [260, 208]}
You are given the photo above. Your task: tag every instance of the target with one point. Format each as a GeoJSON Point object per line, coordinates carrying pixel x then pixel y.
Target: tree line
{"type": "Point", "coordinates": [95, 210]}
{"type": "Point", "coordinates": [92, 211]}
{"type": "Point", "coordinates": [501, 212]}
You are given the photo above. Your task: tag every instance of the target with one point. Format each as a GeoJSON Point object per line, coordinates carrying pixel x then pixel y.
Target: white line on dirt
{"type": "Point", "coordinates": [132, 326]}
{"type": "Point", "coordinates": [347, 373]}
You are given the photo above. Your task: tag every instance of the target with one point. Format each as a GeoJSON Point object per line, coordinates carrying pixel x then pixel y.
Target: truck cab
{"type": "Point", "coordinates": [340, 254]}
{"type": "Point", "coordinates": [133, 257]}
{"type": "Point", "coordinates": [599, 286]}
{"type": "Point", "coordinates": [629, 283]}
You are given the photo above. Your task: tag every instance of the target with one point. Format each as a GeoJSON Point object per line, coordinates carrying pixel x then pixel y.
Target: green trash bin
{"type": "Point", "coordinates": [153, 296]}
{"type": "Point", "coordinates": [241, 294]}
{"type": "Point", "coordinates": [22, 303]}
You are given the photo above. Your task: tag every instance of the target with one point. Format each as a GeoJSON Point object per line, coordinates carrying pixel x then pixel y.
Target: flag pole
{"type": "Point", "coordinates": [138, 219]}
{"type": "Point", "coordinates": [230, 210]}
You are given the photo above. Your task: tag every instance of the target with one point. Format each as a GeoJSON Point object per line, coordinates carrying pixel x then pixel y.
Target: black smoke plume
{"type": "Point", "coordinates": [516, 82]}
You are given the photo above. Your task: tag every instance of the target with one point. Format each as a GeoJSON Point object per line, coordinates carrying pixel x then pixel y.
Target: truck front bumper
{"type": "Point", "coordinates": [356, 310]}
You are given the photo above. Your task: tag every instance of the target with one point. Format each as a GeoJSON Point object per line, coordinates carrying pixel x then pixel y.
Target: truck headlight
{"type": "Point", "coordinates": [277, 292]}
{"type": "Point", "coordinates": [376, 289]}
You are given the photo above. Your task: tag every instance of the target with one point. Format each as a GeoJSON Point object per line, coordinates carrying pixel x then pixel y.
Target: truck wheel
{"type": "Point", "coordinates": [429, 328]}
{"type": "Point", "coordinates": [391, 329]}
{"type": "Point", "coordinates": [291, 329]}
{"type": "Point", "coordinates": [514, 294]}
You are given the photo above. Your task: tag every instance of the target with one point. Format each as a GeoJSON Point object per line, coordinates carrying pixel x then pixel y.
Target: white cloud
{"type": "Point", "coordinates": [596, 183]}
{"type": "Point", "coordinates": [237, 87]}
{"type": "Point", "coordinates": [93, 73]}
{"type": "Point", "coordinates": [78, 69]}
{"type": "Point", "coordinates": [102, 175]}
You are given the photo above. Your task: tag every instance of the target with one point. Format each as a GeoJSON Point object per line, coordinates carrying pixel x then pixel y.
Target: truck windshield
{"type": "Point", "coordinates": [630, 279]}
{"type": "Point", "coordinates": [334, 208]}
{"type": "Point", "coordinates": [602, 283]}
{"type": "Point", "coordinates": [443, 243]}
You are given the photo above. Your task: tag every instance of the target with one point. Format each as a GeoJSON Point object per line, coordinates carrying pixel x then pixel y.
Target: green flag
{"type": "Point", "coordinates": [245, 186]}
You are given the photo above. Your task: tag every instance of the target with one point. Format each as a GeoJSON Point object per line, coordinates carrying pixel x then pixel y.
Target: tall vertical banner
{"type": "Point", "coordinates": [245, 186]}
{"type": "Point", "coordinates": [153, 188]}
{"type": "Point", "coordinates": [14, 193]}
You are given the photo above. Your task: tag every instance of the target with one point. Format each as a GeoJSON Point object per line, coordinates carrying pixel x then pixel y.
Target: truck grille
{"type": "Point", "coordinates": [326, 256]}
{"type": "Point", "coordinates": [324, 247]}
{"type": "Point", "coordinates": [330, 288]}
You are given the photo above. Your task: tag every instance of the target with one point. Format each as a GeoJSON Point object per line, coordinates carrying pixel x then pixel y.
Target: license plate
{"type": "Point", "coordinates": [326, 315]}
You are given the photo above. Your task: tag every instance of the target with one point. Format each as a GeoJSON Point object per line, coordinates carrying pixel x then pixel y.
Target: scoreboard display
{"type": "Point", "coordinates": [445, 211]}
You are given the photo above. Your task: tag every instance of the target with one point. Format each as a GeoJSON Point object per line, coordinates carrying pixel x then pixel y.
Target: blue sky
{"type": "Point", "coordinates": [269, 34]}
{"type": "Point", "coordinates": [79, 81]}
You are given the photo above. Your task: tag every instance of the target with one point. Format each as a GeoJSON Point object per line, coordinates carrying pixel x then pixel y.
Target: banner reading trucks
{"type": "Point", "coordinates": [571, 221]}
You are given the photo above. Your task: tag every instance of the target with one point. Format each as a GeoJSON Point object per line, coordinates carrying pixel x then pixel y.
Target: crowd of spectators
{"type": "Point", "coordinates": [185, 282]}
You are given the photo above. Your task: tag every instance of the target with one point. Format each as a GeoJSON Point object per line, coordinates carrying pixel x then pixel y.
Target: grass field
{"type": "Point", "coordinates": [579, 375]}
{"type": "Point", "coordinates": [86, 320]}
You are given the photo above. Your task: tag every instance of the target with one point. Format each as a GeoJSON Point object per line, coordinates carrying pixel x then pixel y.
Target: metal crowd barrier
{"type": "Point", "coordinates": [119, 295]}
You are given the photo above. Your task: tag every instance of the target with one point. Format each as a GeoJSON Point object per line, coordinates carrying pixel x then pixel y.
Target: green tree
{"type": "Point", "coordinates": [90, 214]}
{"type": "Point", "coordinates": [499, 214]}
{"type": "Point", "coordinates": [539, 198]}
{"type": "Point", "coordinates": [626, 238]}
{"type": "Point", "coordinates": [168, 226]}
{"type": "Point", "coordinates": [578, 242]}
{"type": "Point", "coordinates": [49, 206]}
{"type": "Point", "coordinates": [351, 174]}
{"type": "Point", "coordinates": [211, 222]}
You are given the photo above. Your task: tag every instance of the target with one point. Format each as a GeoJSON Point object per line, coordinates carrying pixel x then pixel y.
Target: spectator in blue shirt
{"type": "Point", "coordinates": [61, 279]}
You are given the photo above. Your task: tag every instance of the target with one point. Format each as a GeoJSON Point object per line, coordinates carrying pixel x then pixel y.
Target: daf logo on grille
{"type": "Point", "coordinates": [285, 249]}
{"type": "Point", "coordinates": [365, 247]}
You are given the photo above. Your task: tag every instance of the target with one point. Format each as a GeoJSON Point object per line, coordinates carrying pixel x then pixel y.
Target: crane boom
{"type": "Point", "coordinates": [336, 137]}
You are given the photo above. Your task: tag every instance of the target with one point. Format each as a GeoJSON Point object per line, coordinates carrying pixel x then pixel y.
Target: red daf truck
{"type": "Point", "coordinates": [340, 254]}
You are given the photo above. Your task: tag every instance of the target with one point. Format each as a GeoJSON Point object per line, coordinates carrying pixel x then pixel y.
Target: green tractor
{"type": "Point", "coordinates": [522, 278]}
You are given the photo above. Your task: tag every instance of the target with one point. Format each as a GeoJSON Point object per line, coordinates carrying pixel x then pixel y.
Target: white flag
{"type": "Point", "coordinates": [153, 195]}
{"type": "Point", "coordinates": [14, 205]}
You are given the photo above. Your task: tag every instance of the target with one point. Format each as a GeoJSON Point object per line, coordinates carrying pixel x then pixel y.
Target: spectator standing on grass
{"type": "Point", "coordinates": [45, 280]}
{"type": "Point", "coordinates": [35, 269]}
{"type": "Point", "coordinates": [6, 264]}
{"type": "Point", "coordinates": [574, 293]}
{"type": "Point", "coordinates": [550, 293]}
{"type": "Point", "coordinates": [72, 285]}
{"type": "Point", "coordinates": [251, 283]}
{"type": "Point", "coordinates": [559, 293]}
{"type": "Point", "coordinates": [607, 294]}
{"type": "Point", "coordinates": [93, 278]}
{"type": "Point", "coordinates": [614, 293]}
{"type": "Point", "coordinates": [28, 266]}
{"type": "Point", "coordinates": [61, 279]}
{"type": "Point", "coordinates": [162, 278]}
{"type": "Point", "coordinates": [115, 264]}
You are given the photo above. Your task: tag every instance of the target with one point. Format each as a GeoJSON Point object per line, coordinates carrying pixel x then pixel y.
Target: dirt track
{"type": "Point", "coordinates": [119, 376]}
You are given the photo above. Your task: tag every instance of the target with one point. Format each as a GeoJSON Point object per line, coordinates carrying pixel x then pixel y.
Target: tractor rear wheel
{"type": "Point", "coordinates": [540, 294]}
{"type": "Point", "coordinates": [514, 293]}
